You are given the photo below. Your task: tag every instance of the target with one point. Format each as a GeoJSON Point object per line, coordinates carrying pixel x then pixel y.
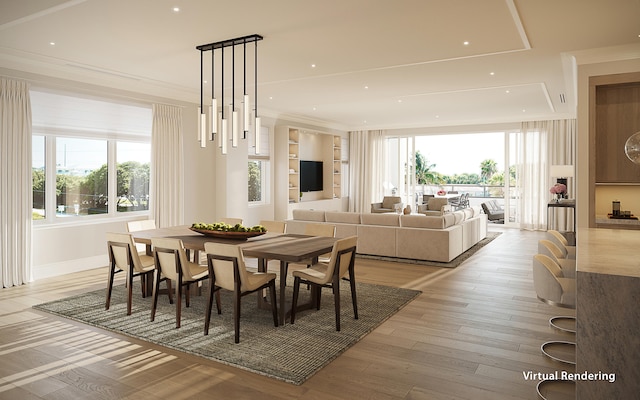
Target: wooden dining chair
{"type": "Point", "coordinates": [227, 270]}
{"type": "Point", "coordinates": [141, 225]}
{"type": "Point", "coordinates": [329, 275]}
{"type": "Point", "coordinates": [123, 256]}
{"type": "Point", "coordinates": [173, 264]}
{"type": "Point", "coordinates": [274, 226]}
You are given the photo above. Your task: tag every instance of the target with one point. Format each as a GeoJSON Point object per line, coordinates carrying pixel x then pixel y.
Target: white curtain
{"type": "Point", "coordinates": [16, 196]}
{"type": "Point", "coordinates": [366, 169]}
{"type": "Point", "coordinates": [167, 182]}
{"type": "Point", "coordinates": [539, 145]}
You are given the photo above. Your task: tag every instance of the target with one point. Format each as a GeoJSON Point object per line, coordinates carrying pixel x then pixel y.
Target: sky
{"type": "Point", "coordinates": [462, 153]}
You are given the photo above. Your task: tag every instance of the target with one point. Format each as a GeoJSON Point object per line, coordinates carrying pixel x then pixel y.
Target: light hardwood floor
{"type": "Point", "coordinates": [470, 335]}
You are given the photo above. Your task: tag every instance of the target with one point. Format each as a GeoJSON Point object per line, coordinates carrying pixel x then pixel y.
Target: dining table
{"type": "Point", "coordinates": [286, 248]}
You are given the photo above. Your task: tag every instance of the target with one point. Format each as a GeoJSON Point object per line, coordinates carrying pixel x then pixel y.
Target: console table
{"type": "Point", "coordinates": [553, 205]}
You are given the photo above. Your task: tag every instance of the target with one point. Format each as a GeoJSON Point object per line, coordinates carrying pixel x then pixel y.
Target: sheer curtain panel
{"type": "Point", "coordinates": [16, 195]}
{"type": "Point", "coordinates": [541, 144]}
{"type": "Point", "coordinates": [366, 155]}
{"type": "Point", "coordinates": [167, 166]}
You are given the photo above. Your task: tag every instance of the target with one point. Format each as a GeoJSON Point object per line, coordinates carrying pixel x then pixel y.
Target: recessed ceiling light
{"type": "Point", "coordinates": [366, 87]}
{"type": "Point", "coordinates": [270, 97]}
{"type": "Point", "coordinates": [507, 91]}
{"type": "Point", "coordinates": [523, 110]}
{"type": "Point", "coordinates": [437, 116]}
{"type": "Point", "coordinates": [176, 9]}
{"type": "Point", "coordinates": [52, 43]}
{"type": "Point", "coordinates": [399, 100]}
{"type": "Point", "coordinates": [492, 73]}
{"type": "Point", "coordinates": [313, 65]}
{"type": "Point", "coordinates": [466, 43]}
{"type": "Point", "coordinates": [314, 108]}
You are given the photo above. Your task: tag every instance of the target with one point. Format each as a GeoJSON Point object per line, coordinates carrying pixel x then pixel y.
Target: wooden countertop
{"type": "Point", "coordinates": [608, 251]}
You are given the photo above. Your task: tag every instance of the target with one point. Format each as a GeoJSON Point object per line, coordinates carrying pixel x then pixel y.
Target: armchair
{"type": "Point", "coordinates": [388, 204]}
{"type": "Point", "coordinates": [435, 206]}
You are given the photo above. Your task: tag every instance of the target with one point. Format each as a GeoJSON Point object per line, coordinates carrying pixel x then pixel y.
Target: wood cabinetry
{"type": "Point", "coordinates": [614, 116]}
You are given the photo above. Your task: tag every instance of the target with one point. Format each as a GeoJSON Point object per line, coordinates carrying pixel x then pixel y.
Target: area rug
{"type": "Point", "coordinates": [292, 353]}
{"type": "Point", "coordinates": [451, 264]}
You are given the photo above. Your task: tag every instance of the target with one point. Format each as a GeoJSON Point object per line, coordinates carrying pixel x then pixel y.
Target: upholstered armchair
{"type": "Point", "coordinates": [388, 204]}
{"type": "Point", "coordinates": [435, 206]}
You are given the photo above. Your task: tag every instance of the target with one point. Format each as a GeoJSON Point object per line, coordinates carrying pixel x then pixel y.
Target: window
{"type": "Point", "coordinates": [259, 169]}
{"type": "Point", "coordinates": [38, 176]}
{"type": "Point", "coordinates": [81, 177]}
{"type": "Point", "coordinates": [90, 157]}
{"type": "Point", "coordinates": [133, 176]}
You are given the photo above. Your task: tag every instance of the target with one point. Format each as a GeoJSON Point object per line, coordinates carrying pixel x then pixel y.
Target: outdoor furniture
{"type": "Point", "coordinates": [495, 212]}
{"type": "Point", "coordinates": [388, 204]}
{"type": "Point", "coordinates": [323, 275]}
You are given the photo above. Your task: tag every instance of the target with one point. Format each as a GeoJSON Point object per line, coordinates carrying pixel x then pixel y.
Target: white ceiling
{"type": "Point", "coordinates": [409, 53]}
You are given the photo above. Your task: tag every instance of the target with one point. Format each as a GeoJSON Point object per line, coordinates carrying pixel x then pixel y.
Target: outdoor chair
{"type": "Point", "coordinates": [494, 212]}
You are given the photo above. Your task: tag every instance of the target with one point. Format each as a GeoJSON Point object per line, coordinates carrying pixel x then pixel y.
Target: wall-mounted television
{"type": "Point", "coordinates": [310, 176]}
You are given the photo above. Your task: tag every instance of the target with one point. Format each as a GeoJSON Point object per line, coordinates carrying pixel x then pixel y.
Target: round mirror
{"type": "Point", "coordinates": [632, 148]}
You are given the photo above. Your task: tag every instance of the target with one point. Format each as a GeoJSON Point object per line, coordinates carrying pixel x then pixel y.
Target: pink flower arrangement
{"type": "Point", "coordinates": [558, 188]}
{"type": "Point", "coordinates": [441, 192]}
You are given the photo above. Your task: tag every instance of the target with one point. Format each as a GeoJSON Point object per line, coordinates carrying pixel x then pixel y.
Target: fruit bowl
{"type": "Point", "coordinates": [228, 234]}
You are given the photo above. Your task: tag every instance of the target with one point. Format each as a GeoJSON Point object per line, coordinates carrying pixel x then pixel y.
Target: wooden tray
{"type": "Point", "coordinates": [621, 216]}
{"type": "Point", "coordinates": [228, 235]}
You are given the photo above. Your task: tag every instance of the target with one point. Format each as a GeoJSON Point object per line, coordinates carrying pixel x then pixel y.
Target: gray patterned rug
{"type": "Point", "coordinates": [291, 353]}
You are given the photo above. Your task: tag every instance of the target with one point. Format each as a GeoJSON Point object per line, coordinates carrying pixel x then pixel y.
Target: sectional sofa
{"type": "Point", "coordinates": [416, 236]}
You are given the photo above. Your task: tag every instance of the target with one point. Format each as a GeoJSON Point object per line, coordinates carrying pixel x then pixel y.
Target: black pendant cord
{"type": "Point", "coordinates": [214, 108]}
{"type": "Point", "coordinates": [255, 70]}
{"type": "Point", "coordinates": [244, 79]}
{"type": "Point", "coordinates": [201, 83]}
{"type": "Point", "coordinates": [222, 87]}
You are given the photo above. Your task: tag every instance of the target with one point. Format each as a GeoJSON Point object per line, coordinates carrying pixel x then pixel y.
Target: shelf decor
{"type": "Point", "coordinates": [227, 127]}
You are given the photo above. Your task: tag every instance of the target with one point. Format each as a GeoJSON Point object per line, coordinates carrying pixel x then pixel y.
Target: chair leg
{"type": "Point", "coordinates": [236, 312]}
{"type": "Point", "coordinates": [129, 288]}
{"type": "Point", "coordinates": [178, 301]}
{"type": "Point", "coordinates": [156, 289]}
{"type": "Point", "coordinates": [336, 300]}
{"type": "Point", "coordinates": [294, 301]}
{"type": "Point", "coordinates": [169, 290]}
{"type": "Point", "coordinates": [354, 299]}
{"type": "Point", "coordinates": [274, 307]}
{"type": "Point", "coordinates": [112, 273]}
{"type": "Point", "coordinates": [207, 315]}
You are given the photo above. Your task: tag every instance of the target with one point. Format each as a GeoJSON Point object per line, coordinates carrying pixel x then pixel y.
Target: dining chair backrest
{"type": "Point", "coordinates": [342, 255]}
{"type": "Point", "coordinates": [326, 230]}
{"type": "Point", "coordinates": [121, 250]}
{"type": "Point", "coordinates": [231, 221]}
{"type": "Point", "coordinates": [274, 226]}
{"type": "Point", "coordinates": [225, 258]}
{"type": "Point", "coordinates": [170, 254]}
{"type": "Point", "coordinates": [141, 225]}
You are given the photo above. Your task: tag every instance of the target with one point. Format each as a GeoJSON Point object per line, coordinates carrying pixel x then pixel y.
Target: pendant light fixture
{"type": "Point", "coordinates": [229, 123]}
{"type": "Point", "coordinates": [202, 117]}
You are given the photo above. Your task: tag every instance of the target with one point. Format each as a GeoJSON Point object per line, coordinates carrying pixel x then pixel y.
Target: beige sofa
{"type": "Point", "coordinates": [420, 237]}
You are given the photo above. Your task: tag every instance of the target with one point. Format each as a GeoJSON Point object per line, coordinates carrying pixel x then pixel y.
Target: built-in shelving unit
{"type": "Point", "coordinates": [294, 144]}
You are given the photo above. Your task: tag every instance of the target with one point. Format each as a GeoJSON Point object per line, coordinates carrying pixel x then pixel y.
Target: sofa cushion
{"type": "Point", "coordinates": [459, 216]}
{"type": "Point", "coordinates": [425, 221]}
{"type": "Point", "coordinates": [308, 215]}
{"type": "Point", "coordinates": [468, 213]}
{"type": "Point", "coordinates": [380, 219]}
{"type": "Point", "coordinates": [342, 217]}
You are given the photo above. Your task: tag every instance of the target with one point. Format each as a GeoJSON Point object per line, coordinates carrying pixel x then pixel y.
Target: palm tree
{"type": "Point", "coordinates": [487, 169]}
{"type": "Point", "coordinates": [424, 170]}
